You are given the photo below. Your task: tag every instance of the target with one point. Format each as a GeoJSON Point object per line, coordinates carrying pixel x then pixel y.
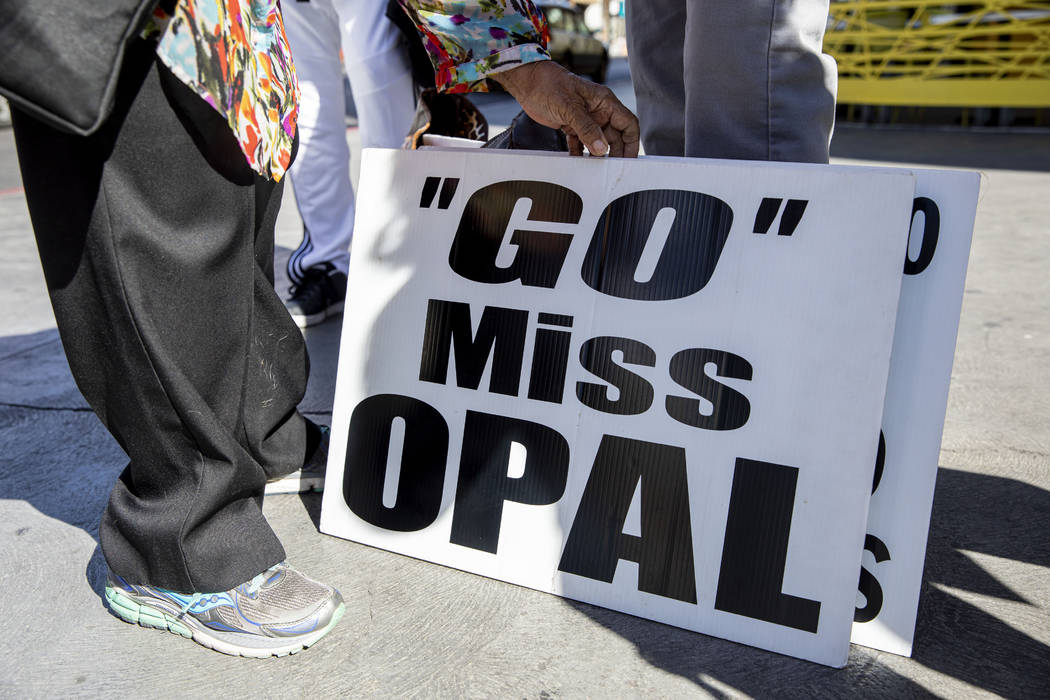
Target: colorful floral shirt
{"type": "Point", "coordinates": [469, 40]}
{"type": "Point", "coordinates": [235, 55]}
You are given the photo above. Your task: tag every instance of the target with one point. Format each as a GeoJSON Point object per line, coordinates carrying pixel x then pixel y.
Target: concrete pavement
{"type": "Point", "coordinates": [420, 630]}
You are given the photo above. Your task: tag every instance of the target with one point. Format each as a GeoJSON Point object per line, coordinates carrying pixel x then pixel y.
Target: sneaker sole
{"type": "Point", "coordinates": [305, 321]}
{"type": "Point", "coordinates": [295, 484]}
{"type": "Point", "coordinates": [134, 612]}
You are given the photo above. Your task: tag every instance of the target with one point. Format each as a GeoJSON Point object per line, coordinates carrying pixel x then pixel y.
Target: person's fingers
{"type": "Point", "coordinates": [586, 129]}
{"type": "Point", "coordinates": [612, 137]}
{"type": "Point", "coordinates": [591, 115]}
{"type": "Point", "coordinates": [630, 149]}
{"type": "Point", "coordinates": [619, 124]}
{"type": "Point", "coordinates": [626, 125]}
{"type": "Point", "coordinates": [575, 146]}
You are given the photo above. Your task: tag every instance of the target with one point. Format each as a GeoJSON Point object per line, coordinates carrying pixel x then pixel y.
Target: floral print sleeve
{"type": "Point", "coordinates": [469, 40]}
{"type": "Point", "coordinates": [235, 55]}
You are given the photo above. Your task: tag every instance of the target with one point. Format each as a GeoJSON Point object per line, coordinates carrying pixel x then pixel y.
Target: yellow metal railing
{"type": "Point", "coordinates": [928, 53]}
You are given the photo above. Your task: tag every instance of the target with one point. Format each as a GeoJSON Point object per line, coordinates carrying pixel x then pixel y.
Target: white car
{"type": "Point", "coordinates": [571, 43]}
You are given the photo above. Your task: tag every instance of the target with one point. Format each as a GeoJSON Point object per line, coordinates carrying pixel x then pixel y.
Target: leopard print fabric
{"type": "Point", "coordinates": [443, 114]}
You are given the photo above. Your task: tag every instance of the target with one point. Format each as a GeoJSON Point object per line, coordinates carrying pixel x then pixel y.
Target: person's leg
{"type": "Point", "coordinates": [379, 70]}
{"type": "Point", "coordinates": [756, 83]}
{"type": "Point", "coordinates": [321, 172]}
{"type": "Point", "coordinates": [150, 233]}
{"type": "Point", "coordinates": [655, 40]}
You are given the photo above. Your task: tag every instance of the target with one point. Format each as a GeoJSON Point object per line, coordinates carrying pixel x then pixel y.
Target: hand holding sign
{"type": "Point", "coordinates": [587, 113]}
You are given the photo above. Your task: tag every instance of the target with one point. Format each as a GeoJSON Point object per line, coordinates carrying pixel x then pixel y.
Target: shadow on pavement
{"type": "Point", "coordinates": [713, 664]}
{"type": "Point", "coordinates": [58, 463]}
{"type": "Point", "coordinates": [978, 150]}
{"type": "Point", "coordinates": [58, 457]}
{"type": "Point", "coordinates": [322, 342]}
{"type": "Point", "coordinates": [1001, 517]}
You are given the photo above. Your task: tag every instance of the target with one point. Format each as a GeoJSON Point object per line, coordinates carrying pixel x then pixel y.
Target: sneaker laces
{"type": "Point", "coordinates": [251, 588]}
{"type": "Point", "coordinates": [194, 599]}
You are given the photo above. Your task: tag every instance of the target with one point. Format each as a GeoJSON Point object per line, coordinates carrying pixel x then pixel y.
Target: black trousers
{"type": "Point", "coordinates": [156, 240]}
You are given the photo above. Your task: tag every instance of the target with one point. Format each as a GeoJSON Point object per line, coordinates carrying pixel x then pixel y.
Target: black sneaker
{"type": "Point", "coordinates": [318, 296]}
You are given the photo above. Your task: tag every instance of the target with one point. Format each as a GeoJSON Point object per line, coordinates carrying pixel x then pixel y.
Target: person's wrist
{"type": "Point", "coordinates": [514, 80]}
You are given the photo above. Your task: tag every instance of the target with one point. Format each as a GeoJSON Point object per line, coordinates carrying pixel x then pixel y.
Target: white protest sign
{"type": "Point", "coordinates": [916, 399]}
{"type": "Point", "coordinates": [654, 386]}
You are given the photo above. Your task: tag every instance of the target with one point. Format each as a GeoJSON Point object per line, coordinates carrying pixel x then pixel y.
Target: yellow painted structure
{"type": "Point", "coordinates": [927, 53]}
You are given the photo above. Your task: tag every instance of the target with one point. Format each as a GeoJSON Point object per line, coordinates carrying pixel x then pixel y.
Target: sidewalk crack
{"type": "Point", "coordinates": [31, 407]}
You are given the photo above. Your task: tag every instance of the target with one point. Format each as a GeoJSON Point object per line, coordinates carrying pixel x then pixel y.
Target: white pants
{"type": "Point", "coordinates": [380, 77]}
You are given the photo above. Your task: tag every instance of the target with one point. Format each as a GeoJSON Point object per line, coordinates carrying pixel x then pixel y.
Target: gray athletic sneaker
{"type": "Point", "coordinates": [310, 477]}
{"type": "Point", "coordinates": [278, 612]}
